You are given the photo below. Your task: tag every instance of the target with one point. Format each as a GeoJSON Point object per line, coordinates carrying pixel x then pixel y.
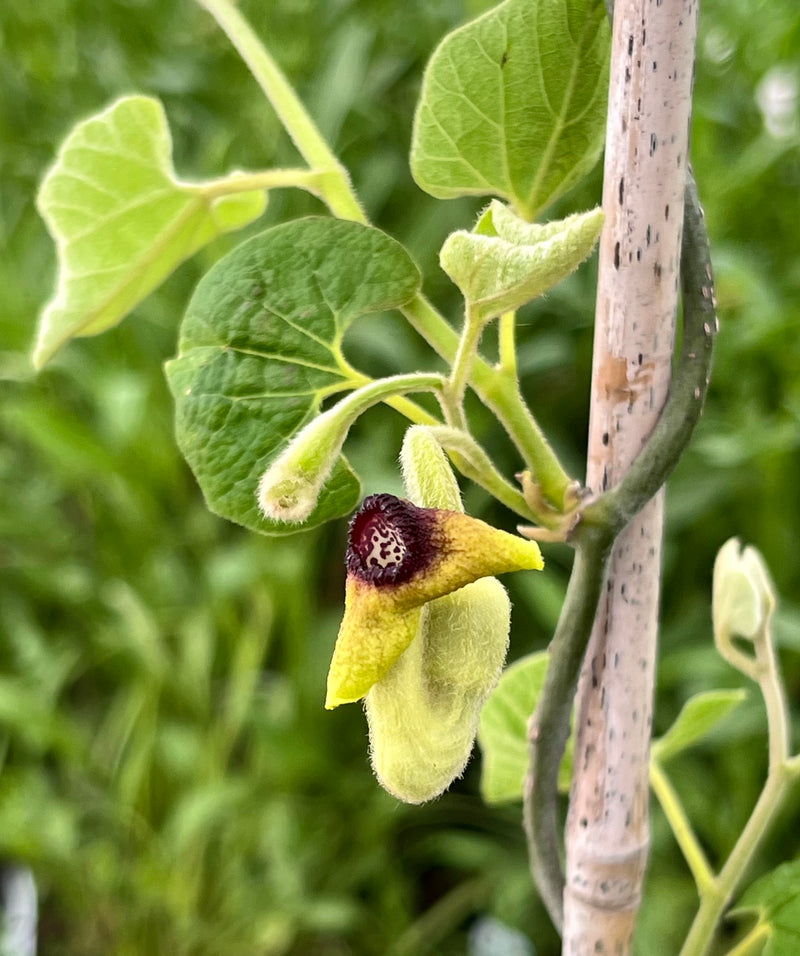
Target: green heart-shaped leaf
{"type": "Point", "coordinates": [122, 221]}
{"type": "Point", "coordinates": [513, 104]}
{"type": "Point", "coordinates": [260, 349]}
{"type": "Point", "coordinates": [503, 731]}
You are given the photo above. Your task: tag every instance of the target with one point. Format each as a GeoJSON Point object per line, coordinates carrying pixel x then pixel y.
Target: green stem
{"type": "Point", "coordinates": [309, 141]}
{"type": "Point", "coordinates": [713, 904]}
{"type": "Point", "coordinates": [461, 368]}
{"type": "Point", "coordinates": [507, 345]}
{"type": "Point", "coordinates": [753, 942]}
{"type": "Point", "coordinates": [681, 828]}
{"type": "Point", "coordinates": [473, 462]}
{"type": "Point", "coordinates": [411, 410]}
{"type": "Point", "coordinates": [549, 726]}
{"type": "Point", "coordinates": [500, 394]}
{"type": "Point", "coordinates": [311, 180]}
{"type": "Point", "coordinates": [774, 697]}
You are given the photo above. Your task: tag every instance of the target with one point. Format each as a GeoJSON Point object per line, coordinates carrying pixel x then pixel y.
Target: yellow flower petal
{"type": "Point", "coordinates": [373, 634]}
{"type": "Point", "coordinates": [399, 558]}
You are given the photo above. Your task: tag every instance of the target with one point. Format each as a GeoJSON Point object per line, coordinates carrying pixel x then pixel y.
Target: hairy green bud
{"type": "Point", "coordinates": [743, 601]}
{"type": "Point", "coordinates": [290, 487]}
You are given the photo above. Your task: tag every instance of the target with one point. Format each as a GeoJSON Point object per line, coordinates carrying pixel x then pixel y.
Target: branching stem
{"type": "Point", "coordinates": [335, 189]}
{"type": "Point", "coordinates": [338, 193]}
{"type": "Point", "coordinates": [781, 776]}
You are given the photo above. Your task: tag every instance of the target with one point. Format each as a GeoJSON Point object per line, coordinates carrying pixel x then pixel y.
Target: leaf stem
{"type": "Point", "coordinates": [411, 410]}
{"type": "Point", "coordinates": [753, 942]}
{"type": "Point", "coordinates": [462, 363]}
{"type": "Point", "coordinates": [473, 462]}
{"type": "Point", "coordinates": [311, 180]}
{"type": "Point", "coordinates": [338, 194]}
{"type": "Point", "coordinates": [500, 394]}
{"type": "Point", "coordinates": [507, 345]}
{"type": "Point", "coordinates": [681, 828]}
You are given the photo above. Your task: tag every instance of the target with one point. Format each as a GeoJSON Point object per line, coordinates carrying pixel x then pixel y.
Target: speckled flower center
{"type": "Point", "coordinates": [391, 540]}
{"type": "Point", "coordinates": [381, 544]}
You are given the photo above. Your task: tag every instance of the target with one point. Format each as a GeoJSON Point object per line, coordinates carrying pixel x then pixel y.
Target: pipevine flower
{"type": "Point", "coordinates": [400, 557]}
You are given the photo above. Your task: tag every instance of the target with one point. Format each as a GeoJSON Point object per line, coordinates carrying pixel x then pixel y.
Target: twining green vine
{"type": "Point", "coordinates": [265, 393]}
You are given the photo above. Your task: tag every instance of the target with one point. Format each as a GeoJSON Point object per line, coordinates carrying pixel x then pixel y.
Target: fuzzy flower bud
{"type": "Point", "coordinates": [423, 715]}
{"type": "Point", "coordinates": [291, 485]}
{"type": "Point", "coordinates": [289, 488]}
{"type": "Point", "coordinates": [743, 601]}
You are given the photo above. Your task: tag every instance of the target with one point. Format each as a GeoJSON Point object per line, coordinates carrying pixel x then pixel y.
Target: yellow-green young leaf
{"type": "Point", "coordinates": [507, 261]}
{"type": "Point", "coordinates": [503, 731]}
{"type": "Point", "coordinates": [775, 900]}
{"type": "Point", "coordinates": [260, 348]}
{"type": "Point", "coordinates": [698, 717]}
{"type": "Point", "coordinates": [514, 104]}
{"type": "Point", "coordinates": [122, 221]}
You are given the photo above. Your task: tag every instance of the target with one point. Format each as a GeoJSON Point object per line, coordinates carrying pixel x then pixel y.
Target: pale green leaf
{"type": "Point", "coordinates": [500, 272]}
{"type": "Point", "coordinates": [775, 898]}
{"type": "Point", "coordinates": [698, 717]}
{"type": "Point", "coordinates": [514, 104]}
{"type": "Point", "coordinates": [122, 221]}
{"type": "Point", "coordinates": [260, 349]}
{"type": "Point", "coordinates": [503, 731]}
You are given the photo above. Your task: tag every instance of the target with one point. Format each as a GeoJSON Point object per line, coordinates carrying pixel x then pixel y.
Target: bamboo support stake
{"type": "Point", "coordinates": [645, 174]}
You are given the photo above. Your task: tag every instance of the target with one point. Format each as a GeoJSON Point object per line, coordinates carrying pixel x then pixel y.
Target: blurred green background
{"type": "Point", "coordinates": [168, 770]}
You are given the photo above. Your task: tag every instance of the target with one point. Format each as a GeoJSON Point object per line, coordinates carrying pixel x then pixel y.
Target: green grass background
{"type": "Point", "coordinates": [166, 766]}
